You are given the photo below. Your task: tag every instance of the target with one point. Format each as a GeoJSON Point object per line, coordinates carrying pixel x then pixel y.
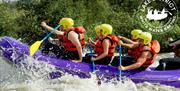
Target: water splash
{"type": "Point", "coordinates": [33, 76]}
{"type": "Point", "coordinates": [70, 83]}
{"type": "Point", "coordinates": [155, 87]}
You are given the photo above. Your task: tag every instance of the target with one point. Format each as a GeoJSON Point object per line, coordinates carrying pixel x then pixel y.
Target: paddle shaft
{"type": "Point", "coordinates": [93, 64]}
{"type": "Point", "coordinates": [51, 33]}
{"type": "Point", "coordinates": [120, 59]}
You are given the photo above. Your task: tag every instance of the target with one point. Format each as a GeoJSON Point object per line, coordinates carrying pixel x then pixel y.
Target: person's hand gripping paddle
{"type": "Point", "coordinates": [34, 47]}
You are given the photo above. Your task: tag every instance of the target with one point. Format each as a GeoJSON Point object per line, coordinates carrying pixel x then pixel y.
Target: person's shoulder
{"type": "Point", "coordinates": [146, 48]}
{"type": "Point", "coordinates": [106, 39]}
{"type": "Point", "coordinates": [146, 51]}
{"type": "Point", "coordinates": [72, 33]}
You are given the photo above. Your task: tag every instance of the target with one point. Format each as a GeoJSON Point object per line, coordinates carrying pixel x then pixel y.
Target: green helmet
{"type": "Point", "coordinates": [135, 33]}
{"type": "Point", "coordinates": [66, 22]}
{"type": "Point", "coordinates": [146, 36]}
{"type": "Point", "coordinates": [106, 29]}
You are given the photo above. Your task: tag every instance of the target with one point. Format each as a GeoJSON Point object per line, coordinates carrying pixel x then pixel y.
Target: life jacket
{"type": "Point", "coordinates": [154, 49]}
{"type": "Point", "coordinates": [132, 51]}
{"type": "Point", "coordinates": [99, 47]}
{"type": "Point", "coordinates": [68, 45]}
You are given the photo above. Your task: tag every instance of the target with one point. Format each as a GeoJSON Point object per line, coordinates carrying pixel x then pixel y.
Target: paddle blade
{"type": "Point", "coordinates": [34, 47]}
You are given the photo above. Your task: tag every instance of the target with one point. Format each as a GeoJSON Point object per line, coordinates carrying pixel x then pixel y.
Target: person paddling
{"type": "Point", "coordinates": [53, 46]}
{"type": "Point", "coordinates": [91, 44]}
{"type": "Point", "coordinates": [97, 30]}
{"type": "Point", "coordinates": [73, 39]}
{"type": "Point", "coordinates": [131, 44]}
{"type": "Point", "coordinates": [145, 53]}
{"type": "Point", "coordinates": [105, 45]}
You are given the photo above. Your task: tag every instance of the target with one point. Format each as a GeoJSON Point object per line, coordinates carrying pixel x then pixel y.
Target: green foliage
{"type": "Point", "coordinates": [22, 19]}
{"type": "Point", "coordinates": [9, 16]}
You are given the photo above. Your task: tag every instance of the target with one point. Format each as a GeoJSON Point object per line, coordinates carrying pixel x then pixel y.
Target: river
{"type": "Point", "coordinates": [13, 78]}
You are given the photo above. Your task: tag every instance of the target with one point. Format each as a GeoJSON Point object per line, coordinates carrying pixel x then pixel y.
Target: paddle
{"type": "Point", "coordinates": [34, 47]}
{"type": "Point", "coordinates": [120, 61]}
{"type": "Point", "coordinates": [93, 64]}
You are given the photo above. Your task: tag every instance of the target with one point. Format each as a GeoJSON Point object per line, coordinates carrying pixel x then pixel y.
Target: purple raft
{"type": "Point", "coordinates": [12, 47]}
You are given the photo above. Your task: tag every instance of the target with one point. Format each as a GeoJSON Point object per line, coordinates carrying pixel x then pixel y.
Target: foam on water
{"type": "Point", "coordinates": [34, 77]}
{"type": "Point", "coordinates": [68, 83]}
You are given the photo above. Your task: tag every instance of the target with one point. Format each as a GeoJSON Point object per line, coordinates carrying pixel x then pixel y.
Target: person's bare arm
{"type": "Point", "coordinates": [129, 46]}
{"type": "Point", "coordinates": [52, 40]}
{"type": "Point", "coordinates": [44, 25]}
{"type": "Point", "coordinates": [73, 37]}
{"type": "Point", "coordinates": [106, 45]}
{"type": "Point", "coordinates": [139, 62]}
{"type": "Point", "coordinates": [91, 41]}
{"type": "Point", "coordinates": [129, 41]}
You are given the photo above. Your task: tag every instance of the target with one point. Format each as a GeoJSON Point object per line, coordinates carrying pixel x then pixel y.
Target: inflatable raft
{"type": "Point", "coordinates": [15, 51]}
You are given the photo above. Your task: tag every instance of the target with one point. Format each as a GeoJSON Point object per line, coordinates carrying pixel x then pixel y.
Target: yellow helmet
{"type": "Point", "coordinates": [106, 29]}
{"type": "Point", "coordinates": [146, 36]}
{"type": "Point", "coordinates": [66, 23]}
{"type": "Point", "coordinates": [97, 29]}
{"type": "Point", "coordinates": [135, 33]}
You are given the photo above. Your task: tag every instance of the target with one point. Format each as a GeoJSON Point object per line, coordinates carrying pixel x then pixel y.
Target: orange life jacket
{"type": "Point", "coordinates": [99, 47]}
{"type": "Point", "coordinates": [68, 45]}
{"type": "Point", "coordinates": [154, 49]}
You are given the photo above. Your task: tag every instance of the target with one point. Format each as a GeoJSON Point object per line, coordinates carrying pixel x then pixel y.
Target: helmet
{"type": "Point", "coordinates": [146, 36]}
{"type": "Point", "coordinates": [135, 33]}
{"type": "Point", "coordinates": [97, 30]}
{"type": "Point", "coordinates": [106, 29]}
{"type": "Point", "coordinates": [66, 23]}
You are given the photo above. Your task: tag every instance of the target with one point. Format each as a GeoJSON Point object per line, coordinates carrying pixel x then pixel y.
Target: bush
{"type": "Point", "coordinates": [22, 19]}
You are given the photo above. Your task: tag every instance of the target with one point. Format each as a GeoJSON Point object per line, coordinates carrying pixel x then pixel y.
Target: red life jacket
{"type": "Point", "coordinates": [99, 47]}
{"type": "Point", "coordinates": [154, 49]}
{"type": "Point", "coordinates": [133, 51]}
{"type": "Point", "coordinates": [68, 45]}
